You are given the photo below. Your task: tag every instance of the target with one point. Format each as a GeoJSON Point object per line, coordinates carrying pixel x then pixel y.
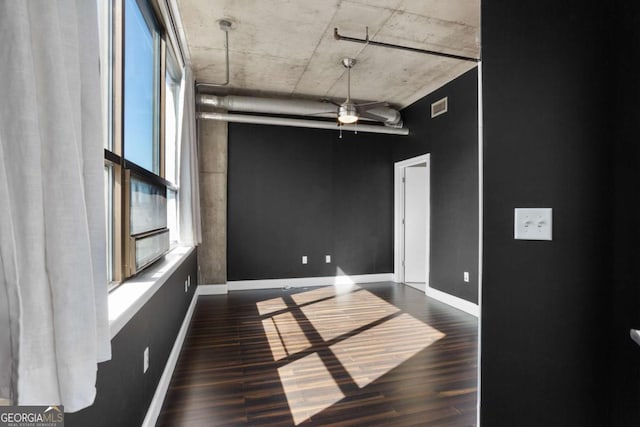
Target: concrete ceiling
{"type": "Point", "coordinates": [287, 48]}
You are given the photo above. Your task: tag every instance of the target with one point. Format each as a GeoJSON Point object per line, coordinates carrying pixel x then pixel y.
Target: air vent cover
{"type": "Point", "coordinates": [439, 107]}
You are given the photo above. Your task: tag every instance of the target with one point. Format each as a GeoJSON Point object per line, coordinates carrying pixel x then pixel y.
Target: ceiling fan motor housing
{"type": "Point", "coordinates": [347, 113]}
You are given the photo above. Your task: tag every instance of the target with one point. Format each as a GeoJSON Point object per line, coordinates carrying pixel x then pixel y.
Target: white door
{"type": "Point", "coordinates": [415, 224]}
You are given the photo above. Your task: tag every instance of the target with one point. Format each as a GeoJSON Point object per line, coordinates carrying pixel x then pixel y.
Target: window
{"type": "Point", "coordinates": [147, 206]}
{"type": "Point", "coordinates": [141, 80]}
{"type": "Point", "coordinates": [141, 97]}
{"type": "Point", "coordinates": [148, 233]}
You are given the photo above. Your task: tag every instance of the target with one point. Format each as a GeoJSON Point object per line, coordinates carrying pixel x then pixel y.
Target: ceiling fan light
{"type": "Point", "coordinates": [346, 119]}
{"type": "Point", "coordinates": [347, 114]}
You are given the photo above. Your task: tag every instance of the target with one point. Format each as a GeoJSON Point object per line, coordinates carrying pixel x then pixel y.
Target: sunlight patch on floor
{"type": "Point", "coordinates": [368, 336]}
{"type": "Point", "coordinates": [322, 293]}
{"type": "Point", "coordinates": [285, 335]}
{"type": "Point", "coordinates": [376, 351]}
{"type": "Point", "coordinates": [271, 306]}
{"type": "Point", "coordinates": [341, 315]}
{"type": "Point", "coordinates": [309, 387]}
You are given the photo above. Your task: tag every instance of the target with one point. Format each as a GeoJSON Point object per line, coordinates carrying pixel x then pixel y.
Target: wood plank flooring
{"type": "Point", "coordinates": [374, 354]}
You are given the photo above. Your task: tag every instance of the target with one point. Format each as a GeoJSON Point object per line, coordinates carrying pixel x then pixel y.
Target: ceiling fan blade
{"type": "Point", "coordinates": [322, 112]}
{"type": "Point", "coordinates": [371, 105]}
{"type": "Point", "coordinates": [329, 101]}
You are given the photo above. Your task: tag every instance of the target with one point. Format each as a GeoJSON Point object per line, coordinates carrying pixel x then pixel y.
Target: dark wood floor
{"type": "Point", "coordinates": [375, 354]}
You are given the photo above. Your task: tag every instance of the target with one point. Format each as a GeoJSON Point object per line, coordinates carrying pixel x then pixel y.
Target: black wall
{"type": "Point", "coordinates": [295, 192]}
{"type": "Point", "coordinates": [124, 392]}
{"type": "Point", "coordinates": [547, 143]}
{"type": "Point", "coordinates": [452, 140]}
{"type": "Point", "coordinates": [625, 288]}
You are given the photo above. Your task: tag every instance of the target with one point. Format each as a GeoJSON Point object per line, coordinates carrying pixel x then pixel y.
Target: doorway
{"type": "Point", "coordinates": [412, 222]}
{"type": "Point", "coordinates": [413, 231]}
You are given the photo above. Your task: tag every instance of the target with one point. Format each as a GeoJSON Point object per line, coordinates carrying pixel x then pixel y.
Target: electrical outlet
{"type": "Point", "coordinates": [304, 259]}
{"type": "Point", "coordinates": [186, 285]}
{"type": "Point", "coordinates": [466, 276]}
{"type": "Point", "coordinates": [327, 259]}
{"type": "Point", "coordinates": [146, 360]}
{"type": "Point", "coordinates": [188, 281]}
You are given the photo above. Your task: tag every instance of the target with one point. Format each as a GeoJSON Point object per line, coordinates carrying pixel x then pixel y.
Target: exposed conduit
{"type": "Point", "coordinates": [225, 26]}
{"type": "Point", "coordinates": [293, 107]}
{"type": "Point", "coordinates": [316, 124]}
{"type": "Point", "coordinates": [368, 41]}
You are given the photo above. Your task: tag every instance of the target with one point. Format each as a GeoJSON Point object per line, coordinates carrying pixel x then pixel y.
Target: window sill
{"type": "Point", "coordinates": [128, 298]}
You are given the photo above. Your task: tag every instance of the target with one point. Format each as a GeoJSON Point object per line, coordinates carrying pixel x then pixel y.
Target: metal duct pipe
{"type": "Point", "coordinates": [294, 107]}
{"type": "Point", "coordinates": [316, 124]}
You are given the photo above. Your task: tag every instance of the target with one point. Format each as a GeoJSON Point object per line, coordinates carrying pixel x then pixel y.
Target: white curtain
{"type": "Point", "coordinates": [52, 220]}
{"type": "Point", "coordinates": [189, 194]}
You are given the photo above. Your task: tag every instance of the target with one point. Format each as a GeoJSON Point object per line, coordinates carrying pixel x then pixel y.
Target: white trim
{"type": "Point", "coordinates": [413, 161]}
{"type": "Point", "coordinates": [128, 298]}
{"type": "Point", "coordinates": [480, 232]}
{"type": "Point", "coordinates": [398, 246]}
{"type": "Point", "coordinates": [302, 282]}
{"type": "Point", "coordinates": [455, 302]}
{"type": "Point", "coordinates": [163, 385]}
{"type": "Point", "coordinates": [221, 289]}
{"type": "Point", "coordinates": [398, 209]}
{"type": "Point", "coordinates": [174, 42]}
{"type": "Point", "coordinates": [181, 36]}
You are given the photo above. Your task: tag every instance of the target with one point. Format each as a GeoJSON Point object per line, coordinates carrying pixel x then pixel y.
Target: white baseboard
{"type": "Point", "coordinates": [158, 397]}
{"type": "Point", "coordinates": [459, 303]}
{"type": "Point", "coordinates": [220, 289]}
{"type": "Point", "coordinates": [301, 282]}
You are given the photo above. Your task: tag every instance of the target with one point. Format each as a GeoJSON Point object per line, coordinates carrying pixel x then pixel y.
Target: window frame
{"type": "Point", "coordinates": [172, 68]}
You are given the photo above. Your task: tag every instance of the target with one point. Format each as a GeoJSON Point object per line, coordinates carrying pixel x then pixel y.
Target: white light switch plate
{"type": "Point", "coordinates": [304, 259]}
{"type": "Point", "coordinates": [533, 223]}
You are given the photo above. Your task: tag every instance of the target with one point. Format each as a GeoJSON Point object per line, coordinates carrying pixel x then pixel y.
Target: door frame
{"type": "Point", "coordinates": [399, 212]}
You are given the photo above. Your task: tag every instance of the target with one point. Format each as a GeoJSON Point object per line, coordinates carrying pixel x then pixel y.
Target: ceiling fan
{"type": "Point", "coordinates": [349, 112]}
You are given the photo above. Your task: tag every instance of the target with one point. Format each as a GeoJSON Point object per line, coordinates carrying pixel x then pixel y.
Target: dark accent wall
{"type": "Point", "coordinates": [547, 143]}
{"type": "Point", "coordinates": [124, 392]}
{"type": "Point", "coordinates": [295, 192]}
{"type": "Point", "coordinates": [452, 140]}
{"type": "Point", "coordinates": [625, 287]}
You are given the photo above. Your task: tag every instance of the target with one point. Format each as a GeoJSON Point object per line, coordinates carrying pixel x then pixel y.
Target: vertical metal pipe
{"type": "Point", "coordinates": [225, 25]}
